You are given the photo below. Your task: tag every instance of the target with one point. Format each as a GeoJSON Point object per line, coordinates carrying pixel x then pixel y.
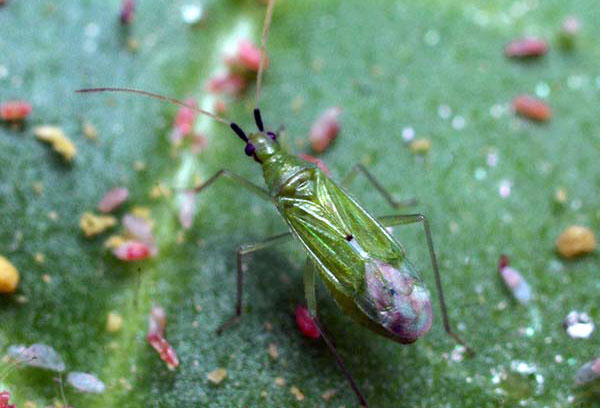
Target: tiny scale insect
{"type": "Point", "coordinates": [363, 266]}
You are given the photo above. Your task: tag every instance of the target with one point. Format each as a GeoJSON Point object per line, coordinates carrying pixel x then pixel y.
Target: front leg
{"type": "Point", "coordinates": [244, 250]}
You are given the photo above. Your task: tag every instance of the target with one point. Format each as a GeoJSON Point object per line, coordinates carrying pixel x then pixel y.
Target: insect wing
{"type": "Point", "coordinates": [330, 224]}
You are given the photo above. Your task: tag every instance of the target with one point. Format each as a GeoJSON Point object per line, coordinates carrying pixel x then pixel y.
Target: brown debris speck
{"type": "Point", "coordinates": [279, 381]}
{"type": "Point", "coordinates": [273, 352]}
{"type": "Point", "coordinates": [328, 394]}
{"type": "Point", "coordinates": [297, 393]}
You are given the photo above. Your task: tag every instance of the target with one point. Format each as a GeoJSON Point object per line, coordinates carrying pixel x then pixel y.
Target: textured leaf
{"type": "Point", "coordinates": [435, 66]}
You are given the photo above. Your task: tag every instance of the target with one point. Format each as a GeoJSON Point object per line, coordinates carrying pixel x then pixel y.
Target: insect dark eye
{"type": "Point", "coordinates": [249, 149]}
{"type": "Point", "coordinates": [272, 135]}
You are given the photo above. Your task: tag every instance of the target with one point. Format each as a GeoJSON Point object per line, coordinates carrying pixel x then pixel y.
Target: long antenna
{"type": "Point", "coordinates": [156, 96]}
{"type": "Point", "coordinates": [263, 48]}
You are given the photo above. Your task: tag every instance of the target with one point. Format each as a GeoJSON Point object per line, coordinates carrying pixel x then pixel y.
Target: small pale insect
{"type": "Point", "coordinates": [85, 382]}
{"type": "Point", "coordinates": [37, 355]}
{"type": "Point", "coordinates": [364, 268]}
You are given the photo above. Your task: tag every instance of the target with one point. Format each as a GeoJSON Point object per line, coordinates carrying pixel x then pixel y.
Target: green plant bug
{"type": "Point", "coordinates": [363, 266]}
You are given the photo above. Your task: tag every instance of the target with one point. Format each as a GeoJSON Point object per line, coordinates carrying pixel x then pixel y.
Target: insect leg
{"type": "Point", "coordinates": [309, 288]}
{"type": "Point", "coordinates": [311, 300]}
{"type": "Point", "coordinates": [244, 250]}
{"type": "Point", "coordinates": [341, 365]}
{"type": "Point", "coordinates": [382, 190]}
{"type": "Point", "coordinates": [391, 220]}
{"type": "Point", "coordinates": [259, 191]}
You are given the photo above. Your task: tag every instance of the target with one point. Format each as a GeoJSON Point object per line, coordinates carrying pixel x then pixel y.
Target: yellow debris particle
{"type": "Point", "coordinates": [126, 384]}
{"type": "Point", "coordinates": [133, 45]}
{"type": "Point", "coordinates": [9, 276]}
{"type": "Point", "coordinates": [139, 165]}
{"type": "Point", "coordinates": [114, 322]}
{"type": "Point", "coordinates": [22, 299]}
{"type": "Point", "coordinates": [142, 212]}
{"type": "Point", "coordinates": [38, 187]}
{"type": "Point", "coordinates": [89, 131]}
{"type": "Point", "coordinates": [297, 393]}
{"type": "Point", "coordinates": [297, 103]}
{"type": "Point", "coordinates": [46, 278]}
{"type": "Point", "coordinates": [273, 352]}
{"type": "Point", "coordinates": [39, 257]}
{"type": "Point", "coordinates": [180, 238]}
{"type": "Point", "coordinates": [574, 241]}
{"type": "Point", "coordinates": [92, 224]}
{"type": "Point", "coordinates": [30, 404]}
{"type": "Point", "coordinates": [279, 381]}
{"type": "Point", "coordinates": [560, 195]}
{"type": "Point", "coordinates": [328, 394]}
{"type": "Point", "coordinates": [57, 138]}
{"type": "Point", "coordinates": [114, 241]}
{"type": "Point", "coordinates": [420, 146]}
{"type": "Point", "coordinates": [198, 307]}
{"type": "Point", "coordinates": [217, 376]}
{"type": "Point", "coordinates": [160, 190]}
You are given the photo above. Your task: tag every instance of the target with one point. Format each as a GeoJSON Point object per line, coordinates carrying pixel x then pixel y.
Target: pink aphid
{"type": "Point", "coordinates": [185, 118]}
{"type": "Point", "coordinates": [127, 12]}
{"type": "Point", "coordinates": [112, 199]}
{"type": "Point", "coordinates": [187, 209]}
{"type": "Point", "coordinates": [156, 330]}
{"type": "Point", "coordinates": [305, 323]}
{"type": "Point", "coordinates": [514, 281]}
{"type": "Point", "coordinates": [15, 110]}
{"type": "Point", "coordinates": [5, 400]}
{"type": "Point", "coordinates": [139, 228]}
{"type": "Point", "coordinates": [532, 108]}
{"type": "Point", "coordinates": [526, 47]}
{"type": "Point", "coordinates": [134, 251]}
{"type": "Point", "coordinates": [247, 58]}
{"type": "Point", "coordinates": [320, 163]}
{"type": "Point", "coordinates": [230, 84]}
{"type": "Point", "coordinates": [325, 129]}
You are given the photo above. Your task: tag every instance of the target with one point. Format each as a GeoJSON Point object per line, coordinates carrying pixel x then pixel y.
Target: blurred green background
{"type": "Point", "coordinates": [390, 66]}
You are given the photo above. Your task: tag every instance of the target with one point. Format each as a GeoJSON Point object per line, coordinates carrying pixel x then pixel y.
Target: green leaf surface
{"type": "Point", "coordinates": [390, 66]}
